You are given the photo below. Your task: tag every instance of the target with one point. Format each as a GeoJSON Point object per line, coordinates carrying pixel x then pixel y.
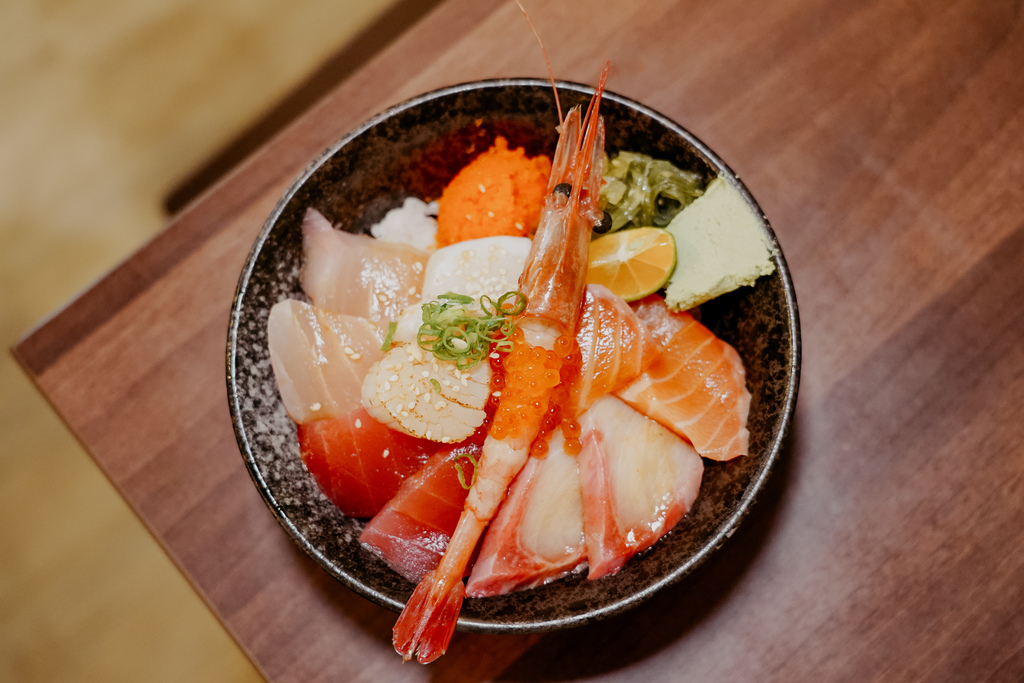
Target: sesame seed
{"type": "Point", "coordinates": [393, 378]}
{"type": "Point", "coordinates": [412, 404]}
{"type": "Point", "coordinates": [315, 406]}
{"type": "Point", "coordinates": [482, 188]}
{"type": "Point", "coordinates": [387, 386]}
{"type": "Point", "coordinates": [356, 356]}
{"type": "Point", "coordinates": [359, 423]}
{"type": "Point", "coordinates": [426, 373]}
{"type": "Point", "coordinates": [429, 434]}
{"type": "Point", "coordinates": [386, 453]}
{"type": "Point", "coordinates": [404, 413]}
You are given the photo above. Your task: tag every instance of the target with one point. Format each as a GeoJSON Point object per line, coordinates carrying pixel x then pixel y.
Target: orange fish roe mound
{"type": "Point", "coordinates": [501, 192]}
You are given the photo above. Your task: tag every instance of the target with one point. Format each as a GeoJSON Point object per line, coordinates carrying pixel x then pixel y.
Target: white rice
{"type": "Point", "coordinates": [414, 223]}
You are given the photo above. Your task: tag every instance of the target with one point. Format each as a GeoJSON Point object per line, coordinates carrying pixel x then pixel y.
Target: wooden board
{"type": "Point", "coordinates": [885, 142]}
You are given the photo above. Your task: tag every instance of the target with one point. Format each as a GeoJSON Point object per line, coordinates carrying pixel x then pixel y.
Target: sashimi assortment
{"type": "Point", "coordinates": [500, 419]}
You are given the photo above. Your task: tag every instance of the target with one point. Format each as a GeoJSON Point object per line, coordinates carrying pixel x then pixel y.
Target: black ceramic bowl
{"type": "Point", "coordinates": [414, 149]}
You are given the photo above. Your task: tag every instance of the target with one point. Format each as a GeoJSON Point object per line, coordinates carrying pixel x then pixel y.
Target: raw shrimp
{"type": "Point", "coordinates": [553, 282]}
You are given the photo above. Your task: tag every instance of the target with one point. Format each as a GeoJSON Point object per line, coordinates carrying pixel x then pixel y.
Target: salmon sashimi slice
{"type": "Point", "coordinates": [358, 463]}
{"type": "Point", "coordinates": [637, 478]}
{"type": "Point", "coordinates": [412, 530]}
{"type": "Point", "coordinates": [696, 387]}
{"type": "Point", "coordinates": [319, 359]}
{"type": "Point", "coordinates": [537, 535]}
{"type": "Point", "coordinates": [356, 274]}
{"type": "Point", "coordinates": [614, 346]}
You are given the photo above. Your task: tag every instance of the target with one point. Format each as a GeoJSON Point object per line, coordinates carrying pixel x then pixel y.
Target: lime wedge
{"type": "Point", "coordinates": [632, 263]}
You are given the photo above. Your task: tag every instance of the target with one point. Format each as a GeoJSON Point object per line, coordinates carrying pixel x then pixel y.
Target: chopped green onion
{"type": "Point", "coordinates": [453, 331]}
{"type": "Point", "coordinates": [386, 346]}
{"type": "Point", "coordinates": [437, 385]}
{"type": "Point", "coordinates": [461, 473]}
{"type": "Point", "coordinates": [458, 298]}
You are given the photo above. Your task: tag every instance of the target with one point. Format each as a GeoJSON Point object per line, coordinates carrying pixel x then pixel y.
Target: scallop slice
{"type": "Point", "coordinates": [413, 392]}
{"type": "Point", "coordinates": [488, 265]}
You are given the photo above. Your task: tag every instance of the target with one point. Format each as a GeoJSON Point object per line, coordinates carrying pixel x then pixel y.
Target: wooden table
{"type": "Point", "coordinates": [884, 140]}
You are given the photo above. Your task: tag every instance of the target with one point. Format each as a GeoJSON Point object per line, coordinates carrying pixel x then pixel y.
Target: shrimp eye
{"type": "Point", "coordinates": [605, 225]}
{"type": "Point", "coordinates": [563, 188]}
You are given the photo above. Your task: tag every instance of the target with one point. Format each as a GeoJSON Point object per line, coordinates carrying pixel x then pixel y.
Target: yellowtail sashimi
{"type": "Point", "coordinates": [358, 275]}
{"type": "Point", "coordinates": [638, 479]}
{"type": "Point", "coordinates": [319, 359]}
{"type": "Point", "coordinates": [537, 535]}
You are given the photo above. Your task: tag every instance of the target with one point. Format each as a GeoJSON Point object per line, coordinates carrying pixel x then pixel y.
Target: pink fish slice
{"type": "Point", "coordinates": [637, 478]}
{"type": "Point", "coordinates": [537, 535]}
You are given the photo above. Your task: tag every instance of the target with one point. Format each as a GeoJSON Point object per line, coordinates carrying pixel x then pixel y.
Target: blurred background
{"type": "Point", "coordinates": [107, 109]}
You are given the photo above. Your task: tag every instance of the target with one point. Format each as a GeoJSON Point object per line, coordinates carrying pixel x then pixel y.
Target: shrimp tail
{"type": "Point", "coordinates": [428, 622]}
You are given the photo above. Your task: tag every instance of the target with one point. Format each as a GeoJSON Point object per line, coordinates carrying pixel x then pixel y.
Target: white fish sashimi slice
{"type": "Point", "coordinates": [537, 535]}
{"type": "Point", "coordinates": [357, 275]}
{"type": "Point", "coordinates": [319, 359]}
{"type": "Point", "coordinates": [638, 479]}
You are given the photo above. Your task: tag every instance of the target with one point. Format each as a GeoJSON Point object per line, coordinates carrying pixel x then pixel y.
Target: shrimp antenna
{"type": "Point", "coordinates": [595, 102]}
{"type": "Point", "coordinates": [551, 73]}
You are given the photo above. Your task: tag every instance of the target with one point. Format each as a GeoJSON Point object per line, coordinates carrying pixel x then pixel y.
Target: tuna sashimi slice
{"type": "Point", "coordinates": [696, 387]}
{"type": "Point", "coordinates": [615, 348]}
{"type": "Point", "coordinates": [638, 479]}
{"type": "Point", "coordinates": [537, 535]}
{"type": "Point", "coordinates": [356, 274]}
{"type": "Point", "coordinates": [319, 359]}
{"type": "Point", "coordinates": [358, 463]}
{"type": "Point", "coordinates": [412, 530]}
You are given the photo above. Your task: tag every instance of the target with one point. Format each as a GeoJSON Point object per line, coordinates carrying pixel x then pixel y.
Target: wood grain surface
{"type": "Point", "coordinates": [885, 142]}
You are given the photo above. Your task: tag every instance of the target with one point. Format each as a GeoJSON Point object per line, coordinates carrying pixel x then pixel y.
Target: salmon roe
{"type": "Point", "coordinates": [530, 374]}
{"type": "Point", "coordinates": [533, 385]}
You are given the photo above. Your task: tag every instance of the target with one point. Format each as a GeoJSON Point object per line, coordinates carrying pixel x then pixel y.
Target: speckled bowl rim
{"type": "Point", "coordinates": [727, 527]}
